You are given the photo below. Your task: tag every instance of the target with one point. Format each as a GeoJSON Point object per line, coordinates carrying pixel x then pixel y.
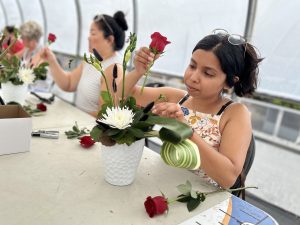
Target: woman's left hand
{"type": "Point", "coordinates": [167, 109]}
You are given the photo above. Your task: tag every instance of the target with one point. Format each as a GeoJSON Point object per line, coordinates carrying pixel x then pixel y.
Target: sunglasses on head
{"type": "Point", "coordinates": [234, 39]}
{"type": "Point", "coordinates": [101, 17]}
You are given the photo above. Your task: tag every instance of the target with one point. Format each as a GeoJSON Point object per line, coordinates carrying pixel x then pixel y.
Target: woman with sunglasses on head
{"type": "Point", "coordinates": [107, 36]}
{"type": "Point", "coordinates": [222, 128]}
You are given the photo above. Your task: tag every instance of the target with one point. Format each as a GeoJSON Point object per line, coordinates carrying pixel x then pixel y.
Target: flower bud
{"type": "Point", "coordinates": [127, 56]}
{"type": "Point", "coordinates": [97, 66]}
{"type": "Point", "coordinates": [115, 71]}
{"type": "Point", "coordinates": [114, 85]}
{"type": "Point", "coordinates": [97, 55]}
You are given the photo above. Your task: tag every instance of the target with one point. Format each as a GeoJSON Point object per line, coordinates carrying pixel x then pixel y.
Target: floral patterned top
{"type": "Point", "coordinates": [207, 126]}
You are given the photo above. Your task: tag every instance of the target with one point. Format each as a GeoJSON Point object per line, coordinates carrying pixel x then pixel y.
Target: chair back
{"type": "Point", "coordinates": [240, 182]}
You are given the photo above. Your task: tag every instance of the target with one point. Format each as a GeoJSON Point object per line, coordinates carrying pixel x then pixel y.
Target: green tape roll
{"type": "Point", "coordinates": [182, 155]}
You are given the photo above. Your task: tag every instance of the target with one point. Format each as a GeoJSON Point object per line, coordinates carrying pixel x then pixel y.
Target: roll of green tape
{"type": "Point", "coordinates": [182, 155]}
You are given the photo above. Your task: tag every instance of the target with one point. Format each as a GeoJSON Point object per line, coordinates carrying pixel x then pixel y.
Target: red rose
{"type": "Point", "coordinates": [156, 206]}
{"type": "Point", "coordinates": [51, 38]}
{"type": "Point", "coordinates": [42, 107]}
{"type": "Point", "coordinates": [158, 43]}
{"type": "Point", "coordinates": [86, 141]}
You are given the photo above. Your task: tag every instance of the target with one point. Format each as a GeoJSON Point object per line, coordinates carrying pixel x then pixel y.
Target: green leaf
{"type": "Point", "coordinates": [75, 128]}
{"type": "Point", "coordinates": [112, 132]}
{"type": "Point", "coordinates": [188, 184]}
{"type": "Point", "coordinates": [152, 133]}
{"type": "Point", "coordinates": [172, 130]}
{"type": "Point", "coordinates": [91, 59]}
{"type": "Point", "coordinates": [183, 198]}
{"type": "Point", "coordinates": [184, 189]}
{"type": "Point", "coordinates": [106, 97]}
{"type": "Point", "coordinates": [96, 133]}
{"type": "Point", "coordinates": [137, 116]}
{"type": "Point", "coordinates": [131, 102]}
{"type": "Point", "coordinates": [128, 139]}
{"type": "Point", "coordinates": [193, 203]}
{"type": "Point", "coordinates": [142, 125]}
{"type": "Point", "coordinates": [85, 58]}
{"type": "Point", "coordinates": [119, 135]}
{"type": "Point", "coordinates": [136, 132]}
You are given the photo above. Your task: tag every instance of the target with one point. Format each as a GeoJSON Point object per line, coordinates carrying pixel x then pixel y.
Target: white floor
{"type": "Point", "coordinates": [276, 173]}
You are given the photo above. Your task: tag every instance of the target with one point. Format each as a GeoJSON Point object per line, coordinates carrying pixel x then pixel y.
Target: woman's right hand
{"type": "Point", "coordinates": [47, 55]}
{"type": "Point", "coordinates": [142, 60]}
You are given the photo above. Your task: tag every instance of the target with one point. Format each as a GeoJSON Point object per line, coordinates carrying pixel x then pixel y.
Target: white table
{"type": "Point", "coordinates": [60, 114]}
{"type": "Point", "coordinates": [60, 183]}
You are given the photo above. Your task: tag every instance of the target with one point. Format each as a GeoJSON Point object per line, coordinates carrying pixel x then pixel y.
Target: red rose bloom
{"type": "Point", "coordinates": [156, 206]}
{"type": "Point", "coordinates": [42, 107]}
{"type": "Point", "coordinates": [158, 43]}
{"type": "Point", "coordinates": [86, 141]}
{"type": "Point", "coordinates": [51, 38]}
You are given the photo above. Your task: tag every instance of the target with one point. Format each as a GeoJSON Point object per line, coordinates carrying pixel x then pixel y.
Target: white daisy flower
{"type": "Point", "coordinates": [26, 75]}
{"type": "Point", "coordinates": [117, 117]}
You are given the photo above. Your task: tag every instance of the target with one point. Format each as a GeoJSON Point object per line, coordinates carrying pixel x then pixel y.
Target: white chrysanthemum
{"type": "Point", "coordinates": [117, 117]}
{"type": "Point", "coordinates": [26, 75]}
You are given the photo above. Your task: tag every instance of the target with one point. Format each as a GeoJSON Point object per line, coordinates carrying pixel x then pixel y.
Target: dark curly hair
{"type": "Point", "coordinates": [235, 60]}
{"type": "Point", "coordinates": [117, 24]}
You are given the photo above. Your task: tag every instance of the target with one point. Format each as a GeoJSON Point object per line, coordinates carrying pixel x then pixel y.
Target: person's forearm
{"type": "Point", "coordinates": [215, 165]}
{"type": "Point", "coordinates": [60, 77]}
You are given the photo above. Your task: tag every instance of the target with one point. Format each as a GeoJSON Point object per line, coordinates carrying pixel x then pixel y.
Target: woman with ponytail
{"type": "Point", "coordinates": [106, 37]}
{"type": "Point", "coordinates": [222, 128]}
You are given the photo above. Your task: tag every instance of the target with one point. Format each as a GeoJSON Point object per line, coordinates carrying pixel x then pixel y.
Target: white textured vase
{"type": "Point", "coordinates": [14, 93]}
{"type": "Point", "coordinates": [121, 162]}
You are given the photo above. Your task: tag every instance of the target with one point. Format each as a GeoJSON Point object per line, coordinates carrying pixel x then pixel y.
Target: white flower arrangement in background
{"type": "Point", "coordinates": [26, 75]}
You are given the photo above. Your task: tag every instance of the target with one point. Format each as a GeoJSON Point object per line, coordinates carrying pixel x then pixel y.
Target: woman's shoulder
{"type": "Point", "coordinates": [237, 107]}
{"type": "Point", "coordinates": [236, 111]}
{"type": "Point", "coordinates": [115, 59]}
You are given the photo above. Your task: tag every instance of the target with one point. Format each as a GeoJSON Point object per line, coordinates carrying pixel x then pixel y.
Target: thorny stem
{"type": "Point", "coordinates": [208, 193]}
{"type": "Point", "coordinates": [146, 75]}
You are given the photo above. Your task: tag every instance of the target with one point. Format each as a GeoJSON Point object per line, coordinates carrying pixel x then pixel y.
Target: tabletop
{"type": "Point", "coordinates": [59, 182]}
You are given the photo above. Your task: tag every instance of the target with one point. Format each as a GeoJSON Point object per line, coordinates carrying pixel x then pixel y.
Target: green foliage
{"type": "Point", "coordinates": [76, 132]}
{"type": "Point", "coordinates": [288, 103]}
{"type": "Point", "coordinates": [10, 70]}
{"type": "Point", "coordinates": [40, 72]}
{"type": "Point", "coordinates": [3, 53]}
{"type": "Point", "coordinates": [143, 120]}
{"type": "Point", "coordinates": [191, 197]}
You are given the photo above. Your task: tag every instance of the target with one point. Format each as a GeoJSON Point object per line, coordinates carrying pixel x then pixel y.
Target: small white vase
{"type": "Point", "coordinates": [14, 93]}
{"type": "Point", "coordinates": [121, 162]}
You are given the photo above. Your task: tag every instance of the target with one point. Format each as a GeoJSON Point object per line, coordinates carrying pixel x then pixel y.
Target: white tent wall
{"type": "Point", "coordinates": [2, 17]}
{"type": "Point", "coordinates": [185, 23]}
{"type": "Point", "coordinates": [61, 20]}
{"type": "Point", "coordinates": [12, 12]}
{"type": "Point", "coordinates": [276, 34]}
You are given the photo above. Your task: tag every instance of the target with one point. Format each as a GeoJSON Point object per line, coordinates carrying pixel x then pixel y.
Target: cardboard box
{"type": "Point", "coordinates": [15, 129]}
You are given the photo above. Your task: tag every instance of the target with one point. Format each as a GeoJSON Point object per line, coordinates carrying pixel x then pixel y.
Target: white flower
{"type": "Point", "coordinates": [117, 117]}
{"type": "Point", "coordinates": [26, 75]}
